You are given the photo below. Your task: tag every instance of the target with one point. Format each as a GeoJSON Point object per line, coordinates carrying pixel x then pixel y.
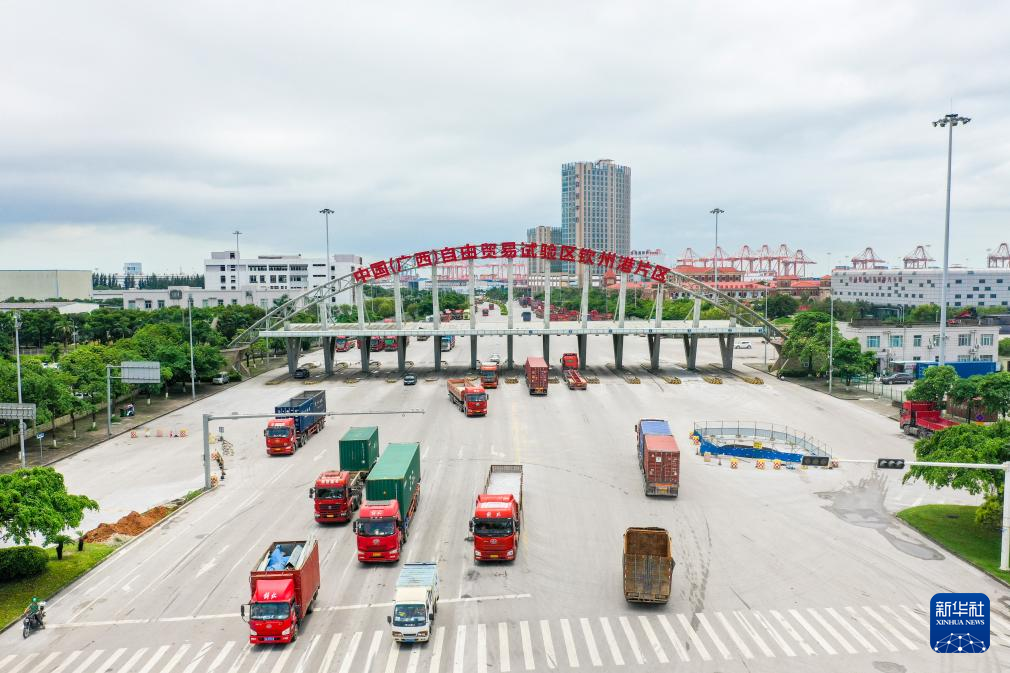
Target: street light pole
{"type": "Point", "coordinates": [766, 329]}
{"type": "Point", "coordinates": [237, 233]}
{"type": "Point", "coordinates": [17, 355]}
{"type": "Point", "coordinates": [192, 369]}
{"type": "Point", "coordinates": [715, 253]}
{"type": "Point", "coordinates": [950, 121]}
{"type": "Point", "coordinates": [831, 333]}
{"type": "Point", "coordinates": [326, 212]}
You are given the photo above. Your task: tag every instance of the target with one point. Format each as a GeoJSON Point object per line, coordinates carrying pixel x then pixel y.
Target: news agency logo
{"type": "Point", "coordinates": [959, 623]}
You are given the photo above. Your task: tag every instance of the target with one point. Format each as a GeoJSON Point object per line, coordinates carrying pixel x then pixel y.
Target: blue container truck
{"type": "Point", "coordinates": [963, 369]}
{"type": "Point", "coordinates": [286, 434]}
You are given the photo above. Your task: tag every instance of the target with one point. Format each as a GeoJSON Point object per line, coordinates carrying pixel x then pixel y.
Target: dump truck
{"type": "Point", "coordinates": [489, 374]}
{"type": "Point", "coordinates": [283, 585]}
{"type": "Point", "coordinates": [285, 434]}
{"type": "Point", "coordinates": [536, 375]}
{"type": "Point", "coordinates": [921, 419]}
{"type": "Point", "coordinates": [497, 515]}
{"type": "Point", "coordinates": [471, 400]}
{"type": "Point", "coordinates": [337, 493]}
{"type": "Point", "coordinates": [392, 490]}
{"type": "Point", "coordinates": [414, 603]}
{"type": "Point", "coordinates": [658, 457]}
{"type": "Point", "coordinates": [648, 565]}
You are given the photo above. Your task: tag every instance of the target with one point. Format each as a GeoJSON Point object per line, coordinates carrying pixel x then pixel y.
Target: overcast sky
{"type": "Point", "coordinates": [150, 131]}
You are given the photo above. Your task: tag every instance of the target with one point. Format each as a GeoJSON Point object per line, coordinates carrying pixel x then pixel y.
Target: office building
{"type": "Point", "coordinates": [596, 207]}
{"type": "Point", "coordinates": [913, 287]}
{"type": "Point", "coordinates": [133, 268]}
{"type": "Point", "coordinates": [908, 342]}
{"type": "Point", "coordinates": [543, 235]}
{"type": "Point", "coordinates": [45, 284]}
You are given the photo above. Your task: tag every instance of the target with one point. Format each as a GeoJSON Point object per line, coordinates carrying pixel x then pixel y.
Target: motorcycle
{"type": "Point", "coordinates": [36, 621]}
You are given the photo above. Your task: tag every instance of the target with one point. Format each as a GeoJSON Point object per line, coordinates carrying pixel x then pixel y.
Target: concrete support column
{"type": "Point", "coordinates": [582, 341]}
{"type": "Point", "coordinates": [294, 349]}
{"type": "Point", "coordinates": [365, 354]}
{"type": "Point", "coordinates": [654, 341]}
{"type": "Point", "coordinates": [397, 301]}
{"type": "Point", "coordinates": [621, 299]}
{"type": "Point", "coordinates": [547, 349]}
{"type": "Point", "coordinates": [697, 312]}
{"type": "Point", "coordinates": [328, 344]}
{"type": "Point", "coordinates": [691, 351]}
{"type": "Point", "coordinates": [473, 352]}
{"type": "Point", "coordinates": [547, 299]}
{"type": "Point", "coordinates": [726, 349]}
{"type": "Point", "coordinates": [401, 354]}
{"type": "Point", "coordinates": [437, 343]}
{"type": "Point", "coordinates": [359, 296]}
{"type": "Point", "coordinates": [511, 312]}
{"type": "Point", "coordinates": [434, 298]}
{"type": "Point", "coordinates": [619, 351]}
{"type": "Point", "coordinates": [586, 281]}
{"type": "Point", "coordinates": [509, 364]}
{"type": "Point", "coordinates": [659, 305]}
{"type": "Point", "coordinates": [473, 302]}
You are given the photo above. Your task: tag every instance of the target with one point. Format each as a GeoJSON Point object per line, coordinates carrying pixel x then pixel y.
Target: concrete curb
{"type": "Point", "coordinates": [112, 554]}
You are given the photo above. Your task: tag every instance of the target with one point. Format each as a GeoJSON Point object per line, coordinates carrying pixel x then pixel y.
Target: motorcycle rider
{"type": "Point", "coordinates": [34, 612]}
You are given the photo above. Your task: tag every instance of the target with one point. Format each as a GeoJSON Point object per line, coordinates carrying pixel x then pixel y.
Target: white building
{"type": "Point", "coordinates": [45, 284]}
{"type": "Point", "coordinates": [912, 287]}
{"type": "Point", "coordinates": [133, 268]}
{"type": "Point", "coordinates": [915, 342]}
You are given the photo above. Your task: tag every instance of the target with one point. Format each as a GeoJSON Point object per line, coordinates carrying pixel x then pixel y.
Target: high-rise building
{"type": "Point", "coordinates": [541, 235]}
{"type": "Point", "coordinates": [596, 206]}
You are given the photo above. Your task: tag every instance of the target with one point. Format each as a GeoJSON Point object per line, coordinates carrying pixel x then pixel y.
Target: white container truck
{"type": "Point", "coordinates": [415, 603]}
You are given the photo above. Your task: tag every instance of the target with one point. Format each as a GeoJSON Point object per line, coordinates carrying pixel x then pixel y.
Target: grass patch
{"type": "Point", "coordinates": [195, 493]}
{"type": "Point", "coordinates": [14, 596]}
{"type": "Point", "coordinates": [953, 527]}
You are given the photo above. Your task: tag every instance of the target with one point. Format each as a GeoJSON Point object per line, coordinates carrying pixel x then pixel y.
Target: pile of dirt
{"type": "Point", "coordinates": [130, 525]}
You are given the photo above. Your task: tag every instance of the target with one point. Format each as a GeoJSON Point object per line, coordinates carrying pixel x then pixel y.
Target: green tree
{"type": "Point", "coordinates": [779, 306]}
{"type": "Point", "coordinates": [35, 501]}
{"type": "Point", "coordinates": [994, 389]}
{"type": "Point", "coordinates": [934, 385]}
{"type": "Point", "coordinates": [924, 313]}
{"type": "Point", "coordinates": [964, 391]}
{"type": "Point", "coordinates": [807, 339]}
{"type": "Point", "coordinates": [850, 360]}
{"type": "Point", "coordinates": [1004, 347]}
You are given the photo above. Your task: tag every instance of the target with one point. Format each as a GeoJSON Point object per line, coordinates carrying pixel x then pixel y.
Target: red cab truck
{"type": "Point", "coordinates": [536, 375]}
{"type": "Point", "coordinates": [658, 457]}
{"type": "Point", "coordinates": [285, 434]}
{"type": "Point", "coordinates": [497, 515]}
{"type": "Point", "coordinates": [392, 490]}
{"type": "Point", "coordinates": [569, 361]}
{"type": "Point", "coordinates": [489, 374]}
{"type": "Point", "coordinates": [283, 585]}
{"type": "Point", "coordinates": [921, 419]}
{"type": "Point", "coordinates": [337, 493]}
{"type": "Point", "coordinates": [471, 400]}
{"type": "Point", "coordinates": [342, 344]}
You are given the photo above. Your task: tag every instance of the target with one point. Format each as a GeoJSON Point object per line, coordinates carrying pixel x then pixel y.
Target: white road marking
{"type": "Point", "coordinates": [199, 658]}
{"type": "Point", "coordinates": [481, 647]}
{"type": "Point", "coordinates": [566, 634]}
{"type": "Point", "coordinates": [504, 664]}
{"type": "Point", "coordinates": [894, 632]}
{"type": "Point", "coordinates": [783, 645]}
{"type": "Point", "coordinates": [457, 662]}
{"type": "Point", "coordinates": [175, 659]}
{"type": "Point", "coordinates": [352, 649]}
{"type": "Point", "coordinates": [792, 632]}
{"type": "Point", "coordinates": [587, 633]}
{"type": "Point", "coordinates": [723, 650]}
{"type": "Point", "coordinates": [632, 639]}
{"type": "Point", "coordinates": [113, 658]}
{"type": "Point", "coordinates": [852, 630]}
{"type": "Point", "coordinates": [6, 660]}
{"type": "Point", "coordinates": [212, 562]}
{"type": "Point", "coordinates": [918, 501]}
{"type": "Point", "coordinates": [221, 656]}
{"type": "Point", "coordinates": [695, 640]}
{"type": "Point", "coordinates": [545, 633]}
{"type": "Point", "coordinates": [260, 660]}
{"type": "Point", "coordinates": [1005, 633]}
{"type": "Point", "coordinates": [752, 632]}
{"type": "Point", "coordinates": [283, 659]}
{"type": "Point", "coordinates": [308, 653]}
{"type": "Point", "coordinates": [869, 627]}
{"type": "Point", "coordinates": [657, 649]}
{"type": "Point", "coordinates": [524, 632]}
{"type": "Point", "coordinates": [87, 662]}
{"type": "Point", "coordinates": [245, 652]}
{"type": "Point", "coordinates": [373, 649]}
{"type": "Point", "coordinates": [674, 639]}
{"type": "Point", "coordinates": [331, 651]}
{"type": "Point", "coordinates": [415, 657]}
{"type": "Point", "coordinates": [42, 664]}
{"type": "Point", "coordinates": [608, 634]}
{"type": "Point", "coordinates": [66, 662]}
{"type": "Point", "coordinates": [24, 662]}
{"type": "Point", "coordinates": [740, 645]}
{"type": "Point", "coordinates": [900, 621]}
{"type": "Point", "coordinates": [832, 630]}
{"type": "Point", "coordinates": [133, 659]}
{"type": "Point", "coordinates": [394, 654]}
{"type": "Point", "coordinates": [436, 652]}
{"type": "Point", "coordinates": [813, 632]}
{"type": "Point", "coordinates": [914, 615]}
{"type": "Point", "coordinates": [158, 654]}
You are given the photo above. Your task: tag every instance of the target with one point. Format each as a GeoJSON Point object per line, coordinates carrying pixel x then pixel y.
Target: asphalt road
{"type": "Point", "coordinates": [791, 570]}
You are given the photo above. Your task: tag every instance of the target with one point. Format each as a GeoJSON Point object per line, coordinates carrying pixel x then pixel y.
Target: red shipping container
{"type": "Point", "coordinates": [661, 466]}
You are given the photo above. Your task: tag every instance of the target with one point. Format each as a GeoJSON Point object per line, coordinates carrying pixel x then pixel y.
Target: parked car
{"type": "Point", "coordinates": [897, 377]}
{"type": "Point", "coordinates": [409, 379]}
{"type": "Point", "coordinates": [220, 379]}
{"type": "Point", "coordinates": [301, 373]}
{"type": "Point", "coordinates": [746, 345]}
{"type": "Point", "coordinates": [495, 358]}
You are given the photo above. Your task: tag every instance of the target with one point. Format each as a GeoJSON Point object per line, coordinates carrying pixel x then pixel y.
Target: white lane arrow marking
{"type": "Point", "coordinates": [211, 563]}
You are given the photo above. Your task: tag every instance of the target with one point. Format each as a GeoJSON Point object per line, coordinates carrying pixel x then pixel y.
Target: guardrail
{"type": "Point", "coordinates": [744, 434]}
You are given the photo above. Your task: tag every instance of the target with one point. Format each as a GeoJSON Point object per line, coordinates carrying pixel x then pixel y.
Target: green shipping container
{"type": "Point", "coordinates": [396, 475]}
{"type": "Point", "coordinates": [359, 449]}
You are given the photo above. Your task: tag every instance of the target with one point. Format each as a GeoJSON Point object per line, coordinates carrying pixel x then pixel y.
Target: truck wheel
{"type": "Point", "coordinates": [294, 632]}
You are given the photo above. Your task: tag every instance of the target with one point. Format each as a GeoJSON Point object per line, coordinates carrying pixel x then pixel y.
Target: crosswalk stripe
{"type": "Point", "coordinates": [867, 645]}
{"type": "Point", "coordinates": [901, 621]}
{"type": "Point", "coordinates": [723, 650]}
{"type": "Point", "coordinates": [672, 635]}
{"type": "Point", "coordinates": [331, 651]}
{"type": "Point", "coordinates": [373, 650]}
{"type": "Point", "coordinates": [221, 656]}
{"type": "Point", "coordinates": [240, 660]}
{"type": "Point", "coordinates": [545, 633]}
{"type": "Point", "coordinates": [175, 658]}
{"type": "Point", "coordinates": [524, 632]}
{"type": "Point", "coordinates": [158, 654]}
{"type": "Point", "coordinates": [788, 628]}
{"type": "Point", "coordinates": [752, 632]}
{"type": "Point", "coordinates": [504, 664]}
{"type": "Point", "coordinates": [894, 632]}
{"type": "Point", "coordinates": [88, 661]}
{"type": "Point", "coordinates": [695, 640]}
{"type": "Point", "coordinates": [66, 662]}
{"type": "Point", "coordinates": [566, 634]}
{"type": "Point", "coordinates": [914, 615]}
{"type": "Point", "coordinates": [481, 647]}
{"type": "Point", "coordinates": [260, 660]}
{"type": "Point", "coordinates": [300, 668]}
{"type": "Point", "coordinates": [128, 666]}
{"type": "Point", "coordinates": [632, 639]}
{"type": "Point", "coordinates": [45, 662]}
{"type": "Point", "coordinates": [6, 660]}
{"type": "Point", "coordinates": [201, 653]}
{"type": "Point", "coordinates": [394, 654]}
{"type": "Point", "coordinates": [825, 645]}
{"type": "Point", "coordinates": [998, 621]}
{"type": "Point", "coordinates": [113, 658]}
{"type": "Point", "coordinates": [869, 627]}
{"type": "Point", "coordinates": [832, 630]}
{"type": "Point", "coordinates": [415, 658]}
{"type": "Point", "coordinates": [783, 645]}
{"type": "Point", "coordinates": [608, 633]}
{"type": "Point", "coordinates": [587, 633]}
{"type": "Point", "coordinates": [352, 649]}
{"type": "Point", "coordinates": [457, 662]}
{"type": "Point", "coordinates": [436, 652]}
{"type": "Point", "coordinates": [24, 662]}
{"type": "Point", "coordinates": [737, 640]}
{"type": "Point", "coordinates": [657, 648]}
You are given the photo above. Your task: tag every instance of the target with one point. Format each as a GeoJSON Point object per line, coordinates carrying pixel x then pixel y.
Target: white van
{"type": "Point", "coordinates": [415, 603]}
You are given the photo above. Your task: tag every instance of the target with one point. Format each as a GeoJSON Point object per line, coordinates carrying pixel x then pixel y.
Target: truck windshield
{"type": "Point", "coordinates": [488, 376]}
{"type": "Point", "coordinates": [476, 398]}
{"type": "Point", "coordinates": [265, 611]}
{"type": "Point", "coordinates": [411, 614]}
{"type": "Point", "coordinates": [379, 528]}
{"type": "Point", "coordinates": [492, 527]}
{"type": "Point", "coordinates": [330, 493]}
{"type": "Point", "coordinates": [277, 432]}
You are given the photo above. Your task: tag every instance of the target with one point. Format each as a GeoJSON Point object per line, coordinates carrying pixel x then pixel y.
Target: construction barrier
{"type": "Point", "coordinates": [707, 457]}
{"type": "Point", "coordinates": [776, 464]}
{"type": "Point", "coordinates": [733, 463]}
{"type": "Point", "coordinates": [760, 464]}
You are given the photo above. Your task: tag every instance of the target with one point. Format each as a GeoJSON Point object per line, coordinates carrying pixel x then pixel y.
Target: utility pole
{"type": "Point", "coordinates": [326, 212]}
{"type": "Point", "coordinates": [831, 332]}
{"type": "Point", "coordinates": [236, 234]}
{"type": "Point", "coordinates": [715, 253]}
{"type": "Point", "coordinates": [950, 121]}
{"type": "Point", "coordinates": [192, 369]}
{"type": "Point", "coordinates": [17, 354]}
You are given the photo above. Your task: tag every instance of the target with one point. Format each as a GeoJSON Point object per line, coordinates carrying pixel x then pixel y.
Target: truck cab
{"type": "Point", "coordinates": [569, 361]}
{"type": "Point", "coordinates": [489, 374]}
{"type": "Point", "coordinates": [495, 527]}
{"type": "Point", "coordinates": [283, 584]}
{"type": "Point", "coordinates": [415, 603]}
{"type": "Point", "coordinates": [281, 436]}
{"type": "Point", "coordinates": [476, 400]}
{"type": "Point", "coordinates": [336, 495]}
{"type": "Point", "coordinates": [379, 532]}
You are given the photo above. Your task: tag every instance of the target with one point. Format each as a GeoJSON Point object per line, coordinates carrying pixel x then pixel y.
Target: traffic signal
{"type": "Point", "coordinates": [890, 463]}
{"type": "Point", "coordinates": [814, 461]}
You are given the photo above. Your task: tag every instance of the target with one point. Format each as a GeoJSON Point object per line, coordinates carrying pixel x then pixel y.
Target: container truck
{"type": "Point", "coordinates": [963, 369]}
{"type": "Point", "coordinates": [414, 603]}
{"type": "Point", "coordinates": [489, 374]}
{"type": "Point", "coordinates": [285, 434]}
{"type": "Point", "coordinates": [497, 515]}
{"type": "Point", "coordinates": [569, 361]}
{"type": "Point", "coordinates": [921, 419]}
{"type": "Point", "coordinates": [392, 490]}
{"type": "Point", "coordinates": [658, 457]}
{"type": "Point", "coordinates": [536, 375]}
{"type": "Point", "coordinates": [342, 344]}
{"type": "Point", "coordinates": [376, 344]}
{"type": "Point", "coordinates": [337, 493]}
{"type": "Point", "coordinates": [471, 400]}
{"type": "Point", "coordinates": [648, 565]}
{"type": "Point", "coordinates": [390, 344]}
{"type": "Point", "coordinates": [448, 343]}
{"type": "Point", "coordinates": [484, 312]}
{"type": "Point", "coordinates": [283, 585]}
